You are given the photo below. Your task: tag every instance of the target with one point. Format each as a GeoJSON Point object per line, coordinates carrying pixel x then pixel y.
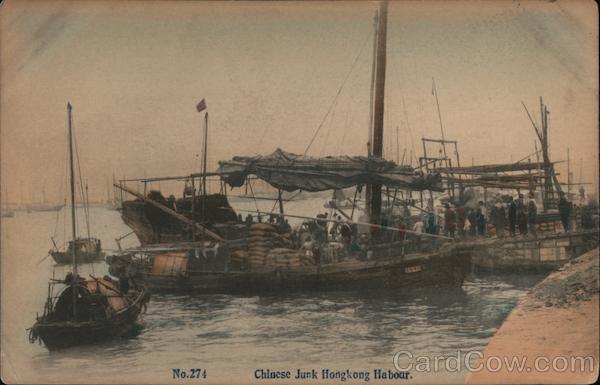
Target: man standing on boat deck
{"type": "Point", "coordinates": [521, 216]}
{"type": "Point", "coordinates": [564, 209]}
{"type": "Point", "coordinates": [531, 214]}
{"type": "Point", "coordinates": [346, 233]}
{"type": "Point", "coordinates": [430, 226]}
{"type": "Point", "coordinates": [480, 218]}
{"type": "Point", "coordinates": [461, 219]}
{"type": "Point", "coordinates": [418, 229]}
{"type": "Point", "coordinates": [449, 221]}
{"type": "Point", "coordinates": [512, 216]}
{"type": "Point", "coordinates": [499, 219]}
{"type": "Point", "coordinates": [472, 218]}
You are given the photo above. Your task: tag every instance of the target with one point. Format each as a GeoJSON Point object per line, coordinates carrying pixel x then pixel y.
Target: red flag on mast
{"type": "Point", "coordinates": [201, 106]}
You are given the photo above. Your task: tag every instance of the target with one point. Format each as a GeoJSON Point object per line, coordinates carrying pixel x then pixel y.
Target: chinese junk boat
{"type": "Point", "coordinates": [271, 256]}
{"type": "Point", "coordinates": [87, 249]}
{"type": "Point", "coordinates": [273, 260]}
{"type": "Point", "coordinates": [85, 310]}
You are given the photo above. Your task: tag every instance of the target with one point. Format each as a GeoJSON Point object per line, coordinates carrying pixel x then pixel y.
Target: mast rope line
{"type": "Point", "coordinates": [78, 170]}
{"type": "Point", "coordinates": [347, 222]}
{"type": "Point", "coordinates": [81, 189]}
{"type": "Point", "coordinates": [337, 94]}
{"type": "Point", "coordinates": [253, 197]}
{"type": "Point", "coordinates": [83, 198]}
{"type": "Point", "coordinates": [63, 179]}
{"type": "Point", "coordinates": [86, 207]}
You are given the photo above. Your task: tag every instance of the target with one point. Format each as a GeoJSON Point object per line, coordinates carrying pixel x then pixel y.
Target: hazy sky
{"type": "Point", "coordinates": [135, 70]}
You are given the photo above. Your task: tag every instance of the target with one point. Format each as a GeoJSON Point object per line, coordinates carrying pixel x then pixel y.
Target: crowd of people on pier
{"type": "Point", "coordinates": [507, 216]}
{"type": "Point", "coordinates": [502, 217]}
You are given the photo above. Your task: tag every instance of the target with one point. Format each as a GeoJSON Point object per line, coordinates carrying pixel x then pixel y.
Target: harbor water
{"type": "Point", "coordinates": [231, 337]}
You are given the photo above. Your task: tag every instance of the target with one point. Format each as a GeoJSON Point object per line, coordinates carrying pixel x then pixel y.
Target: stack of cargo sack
{"type": "Point", "coordinates": [269, 250]}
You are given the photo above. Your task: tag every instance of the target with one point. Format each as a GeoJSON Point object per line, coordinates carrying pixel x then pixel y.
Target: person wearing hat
{"type": "Point", "coordinates": [531, 214]}
{"type": "Point", "coordinates": [521, 216]}
{"type": "Point", "coordinates": [499, 219]}
{"type": "Point", "coordinates": [449, 221]}
{"type": "Point", "coordinates": [564, 209]}
{"type": "Point", "coordinates": [512, 216]}
{"type": "Point", "coordinates": [480, 218]}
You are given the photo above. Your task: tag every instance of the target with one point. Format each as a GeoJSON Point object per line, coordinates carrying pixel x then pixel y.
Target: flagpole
{"type": "Point", "coordinates": [204, 163]}
{"type": "Point", "coordinates": [437, 102]}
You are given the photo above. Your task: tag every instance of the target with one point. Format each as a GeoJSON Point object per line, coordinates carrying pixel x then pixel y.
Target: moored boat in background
{"type": "Point", "coordinates": [85, 310]}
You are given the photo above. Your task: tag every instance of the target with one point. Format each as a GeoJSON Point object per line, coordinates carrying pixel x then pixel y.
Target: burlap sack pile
{"type": "Point", "coordinates": [268, 251]}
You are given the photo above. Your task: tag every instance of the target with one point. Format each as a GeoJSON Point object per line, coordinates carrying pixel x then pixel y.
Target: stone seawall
{"type": "Point", "coordinates": [554, 331]}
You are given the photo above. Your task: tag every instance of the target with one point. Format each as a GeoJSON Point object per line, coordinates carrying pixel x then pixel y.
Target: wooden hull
{"type": "Point", "coordinates": [414, 271]}
{"type": "Point", "coordinates": [153, 226]}
{"type": "Point", "coordinates": [63, 258]}
{"type": "Point", "coordinates": [63, 334]}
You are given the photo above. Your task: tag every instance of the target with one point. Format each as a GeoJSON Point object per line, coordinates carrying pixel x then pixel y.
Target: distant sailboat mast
{"type": "Point", "coordinates": [73, 218]}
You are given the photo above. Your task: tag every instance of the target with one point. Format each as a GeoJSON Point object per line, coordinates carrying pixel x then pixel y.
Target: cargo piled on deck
{"type": "Point", "coordinates": [269, 250]}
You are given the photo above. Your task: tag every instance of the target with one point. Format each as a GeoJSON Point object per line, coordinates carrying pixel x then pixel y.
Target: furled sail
{"type": "Point", "coordinates": [289, 172]}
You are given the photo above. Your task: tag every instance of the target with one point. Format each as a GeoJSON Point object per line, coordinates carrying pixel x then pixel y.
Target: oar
{"type": "Point", "coordinates": [42, 260]}
{"type": "Point", "coordinates": [99, 281]}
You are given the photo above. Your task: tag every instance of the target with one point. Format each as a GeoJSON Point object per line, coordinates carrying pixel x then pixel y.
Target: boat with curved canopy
{"type": "Point", "coordinates": [86, 310]}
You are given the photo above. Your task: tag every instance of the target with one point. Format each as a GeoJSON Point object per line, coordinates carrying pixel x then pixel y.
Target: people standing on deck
{"type": "Point", "coordinates": [564, 209]}
{"type": "Point", "coordinates": [319, 237]}
{"type": "Point", "coordinates": [323, 224]}
{"type": "Point", "coordinates": [285, 226]}
{"type": "Point", "coordinates": [346, 233]}
{"type": "Point", "coordinates": [307, 245]}
{"type": "Point", "coordinates": [499, 219]}
{"type": "Point", "coordinates": [531, 215]}
{"type": "Point", "coordinates": [449, 221]}
{"type": "Point", "coordinates": [418, 229]}
{"type": "Point", "coordinates": [480, 219]}
{"type": "Point", "coordinates": [430, 221]}
{"type": "Point", "coordinates": [512, 216]}
{"type": "Point", "coordinates": [472, 218]}
{"type": "Point", "coordinates": [318, 233]}
{"type": "Point", "coordinates": [461, 219]}
{"type": "Point", "coordinates": [171, 202]}
{"type": "Point", "coordinates": [521, 216]}
{"type": "Point", "coordinates": [332, 229]}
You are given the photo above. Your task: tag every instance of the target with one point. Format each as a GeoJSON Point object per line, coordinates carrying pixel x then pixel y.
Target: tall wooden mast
{"type": "Point", "coordinates": [379, 106]}
{"type": "Point", "coordinates": [549, 173]}
{"type": "Point", "coordinates": [73, 217]}
{"type": "Point", "coordinates": [72, 182]}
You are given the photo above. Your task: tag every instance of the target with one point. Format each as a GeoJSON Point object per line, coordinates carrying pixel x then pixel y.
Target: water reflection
{"type": "Point", "coordinates": [234, 335]}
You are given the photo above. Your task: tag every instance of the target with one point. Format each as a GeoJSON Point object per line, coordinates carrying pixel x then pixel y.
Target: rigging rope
{"type": "Point", "coordinates": [81, 190]}
{"type": "Point", "coordinates": [83, 195]}
{"type": "Point", "coordinates": [337, 94]}
{"type": "Point", "coordinates": [60, 185]}
{"type": "Point", "coordinates": [66, 186]}
{"type": "Point", "coordinates": [253, 197]}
